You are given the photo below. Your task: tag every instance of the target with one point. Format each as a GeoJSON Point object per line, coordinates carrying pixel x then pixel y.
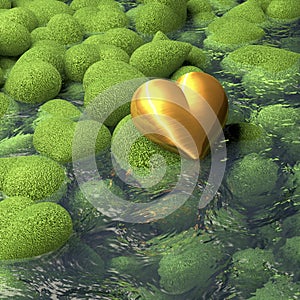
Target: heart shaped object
{"type": "Point", "coordinates": [181, 116]}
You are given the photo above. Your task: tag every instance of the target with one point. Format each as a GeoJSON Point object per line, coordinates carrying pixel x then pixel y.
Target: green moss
{"type": "Point", "coordinates": [97, 19]}
{"type": "Point", "coordinates": [245, 138]}
{"type": "Point", "coordinates": [60, 132]}
{"type": "Point", "coordinates": [11, 207]}
{"type": "Point", "coordinates": [291, 144]}
{"type": "Point", "coordinates": [6, 64]}
{"type": "Point", "coordinates": [45, 10]}
{"type": "Point", "coordinates": [78, 59]}
{"type": "Point", "coordinates": [59, 108]}
{"type": "Point", "coordinates": [4, 104]}
{"type": "Point", "coordinates": [291, 225]}
{"type": "Point", "coordinates": [198, 6]}
{"type": "Point", "coordinates": [197, 57]}
{"type": "Point", "coordinates": [34, 176]}
{"type": "Point", "coordinates": [160, 36]}
{"type": "Point", "coordinates": [251, 268]}
{"type": "Point", "coordinates": [51, 53]}
{"type": "Point", "coordinates": [20, 143]}
{"type": "Point", "coordinates": [183, 70]}
{"type": "Point", "coordinates": [181, 267]}
{"type": "Point", "coordinates": [123, 38]}
{"type": "Point", "coordinates": [272, 59]}
{"type": "Point", "coordinates": [77, 4]}
{"type": "Point", "coordinates": [284, 9]}
{"type": "Point", "coordinates": [65, 29]}
{"type": "Point", "coordinates": [279, 287]}
{"type": "Point", "coordinates": [222, 6]}
{"type": "Point", "coordinates": [248, 11]}
{"type": "Point", "coordinates": [230, 33]}
{"type": "Point", "coordinates": [40, 34]}
{"type": "Point", "coordinates": [262, 3]}
{"type": "Point", "coordinates": [5, 4]}
{"type": "Point", "coordinates": [268, 72]}
{"type": "Point", "coordinates": [289, 255]}
{"type": "Point", "coordinates": [277, 119]}
{"type": "Point", "coordinates": [2, 80]}
{"type": "Point", "coordinates": [142, 158]}
{"type": "Point", "coordinates": [5, 164]}
{"type": "Point", "coordinates": [113, 53]}
{"type": "Point", "coordinates": [14, 38]}
{"type": "Point", "coordinates": [178, 6]}
{"type": "Point", "coordinates": [108, 106]}
{"type": "Point", "coordinates": [252, 179]}
{"type": "Point", "coordinates": [154, 17]}
{"type": "Point", "coordinates": [23, 16]}
{"type": "Point", "coordinates": [161, 58]}
{"type": "Point", "coordinates": [38, 229]}
{"type": "Point", "coordinates": [33, 82]}
{"type": "Point", "coordinates": [204, 18]}
{"type": "Point", "coordinates": [110, 72]}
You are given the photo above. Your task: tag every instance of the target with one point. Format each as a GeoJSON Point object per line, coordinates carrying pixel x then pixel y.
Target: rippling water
{"type": "Point", "coordinates": [81, 269]}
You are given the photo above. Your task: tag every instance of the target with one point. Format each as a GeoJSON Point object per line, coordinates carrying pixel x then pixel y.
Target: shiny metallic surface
{"type": "Point", "coordinates": [169, 109]}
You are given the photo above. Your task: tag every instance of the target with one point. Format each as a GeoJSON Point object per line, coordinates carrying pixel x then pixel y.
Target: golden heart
{"type": "Point", "coordinates": [183, 115]}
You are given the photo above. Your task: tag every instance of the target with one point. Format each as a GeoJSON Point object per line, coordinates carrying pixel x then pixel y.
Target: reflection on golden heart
{"type": "Point", "coordinates": [182, 115]}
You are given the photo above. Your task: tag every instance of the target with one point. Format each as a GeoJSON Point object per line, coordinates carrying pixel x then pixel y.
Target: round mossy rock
{"type": "Point", "coordinates": [124, 38]}
{"type": "Point", "coordinates": [78, 59]}
{"type": "Point", "coordinates": [230, 33]}
{"type": "Point", "coordinates": [33, 82]}
{"type": "Point", "coordinates": [110, 71]}
{"type": "Point", "coordinates": [65, 29]}
{"type": "Point", "coordinates": [15, 38]}
{"type": "Point", "coordinates": [284, 10]}
{"type": "Point", "coordinates": [251, 268]}
{"type": "Point", "coordinates": [59, 108]}
{"type": "Point", "coordinates": [153, 17]}
{"type": "Point", "coordinates": [161, 58]}
{"type": "Point", "coordinates": [23, 16]}
{"type": "Point", "coordinates": [36, 177]}
{"type": "Point", "coordinates": [38, 229]}
{"type": "Point", "coordinates": [45, 10]}
{"type": "Point", "coordinates": [253, 179]}
{"type": "Point", "coordinates": [51, 53]}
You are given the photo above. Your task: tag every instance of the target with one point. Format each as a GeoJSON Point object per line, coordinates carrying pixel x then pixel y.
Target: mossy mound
{"type": "Point", "coordinates": [45, 10]}
{"type": "Point", "coordinates": [15, 38]}
{"type": "Point", "coordinates": [58, 108]}
{"type": "Point", "coordinates": [278, 119]}
{"type": "Point", "coordinates": [61, 132]}
{"type": "Point", "coordinates": [251, 269]}
{"type": "Point", "coordinates": [284, 10]}
{"type": "Point", "coordinates": [33, 82]}
{"type": "Point", "coordinates": [156, 16]}
{"type": "Point", "coordinates": [252, 180]}
{"type": "Point", "coordinates": [266, 72]}
{"type": "Point", "coordinates": [78, 59]}
{"type": "Point", "coordinates": [97, 19]}
{"type": "Point", "coordinates": [32, 229]}
{"type": "Point", "coordinates": [230, 33]}
{"type": "Point", "coordinates": [22, 16]}
{"type": "Point", "coordinates": [160, 58]}
{"type": "Point", "coordinates": [62, 28]}
{"type": "Point", "coordinates": [50, 52]}
{"type": "Point", "coordinates": [33, 176]}
{"type": "Point", "coordinates": [124, 38]}
{"type": "Point", "coordinates": [110, 72]}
